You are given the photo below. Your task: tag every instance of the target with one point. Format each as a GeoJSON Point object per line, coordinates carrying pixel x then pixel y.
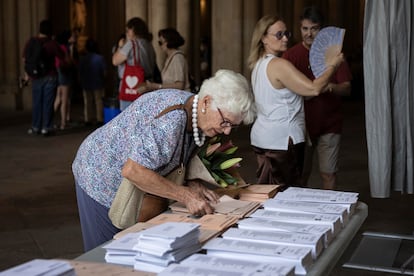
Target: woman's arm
{"type": "Point", "coordinates": [283, 74]}
{"type": "Point", "coordinates": [118, 58]}
{"type": "Point", "coordinates": [121, 54]}
{"type": "Point", "coordinates": [174, 85]}
{"type": "Point", "coordinates": [194, 197]}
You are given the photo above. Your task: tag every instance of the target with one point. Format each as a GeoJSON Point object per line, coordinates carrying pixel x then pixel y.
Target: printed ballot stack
{"type": "Point", "coordinates": [155, 248]}
{"type": "Point", "coordinates": [292, 228]}
{"type": "Point", "coordinates": [284, 236]}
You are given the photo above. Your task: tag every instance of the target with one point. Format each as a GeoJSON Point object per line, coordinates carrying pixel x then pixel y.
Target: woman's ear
{"type": "Point", "coordinates": [263, 40]}
{"type": "Point", "coordinates": [206, 102]}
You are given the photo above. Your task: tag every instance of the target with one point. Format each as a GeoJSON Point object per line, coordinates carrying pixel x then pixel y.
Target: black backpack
{"type": "Point", "coordinates": [36, 64]}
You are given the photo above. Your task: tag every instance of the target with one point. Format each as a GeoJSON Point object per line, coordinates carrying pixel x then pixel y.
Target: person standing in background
{"type": "Point", "coordinates": [43, 84]}
{"type": "Point", "coordinates": [174, 74]}
{"type": "Point", "coordinates": [118, 45]}
{"type": "Point", "coordinates": [137, 33]}
{"type": "Point", "coordinates": [66, 77]}
{"type": "Point", "coordinates": [323, 115]}
{"type": "Point", "coordinates": [278, 134]}
{"type": "Point", "coordinates": [92, 71]}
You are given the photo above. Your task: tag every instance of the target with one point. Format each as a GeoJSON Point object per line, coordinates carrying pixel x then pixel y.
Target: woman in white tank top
{"type": "Point", "coordinates": [278, 134]}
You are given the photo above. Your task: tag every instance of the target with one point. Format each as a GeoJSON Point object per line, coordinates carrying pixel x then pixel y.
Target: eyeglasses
{"type": "Point", "coordinates": [280, 34]}
{"type": "Point", "coordinates": [225, 122]}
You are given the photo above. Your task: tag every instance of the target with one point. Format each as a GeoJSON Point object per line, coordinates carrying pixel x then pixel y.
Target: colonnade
{"type": "Point", "coordinates": [229, 25]}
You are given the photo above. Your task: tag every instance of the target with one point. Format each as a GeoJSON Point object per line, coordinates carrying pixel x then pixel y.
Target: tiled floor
{"type": "Point", "coordinates": [38, 206]}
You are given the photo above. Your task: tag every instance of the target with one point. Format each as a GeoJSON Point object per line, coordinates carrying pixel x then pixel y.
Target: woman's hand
{"type": "Point", "coordinates": [334, 57]}
{"type": "Point", "coordinates": [153, 86]}
{"type": "Point", "coordinates": [200, 202]}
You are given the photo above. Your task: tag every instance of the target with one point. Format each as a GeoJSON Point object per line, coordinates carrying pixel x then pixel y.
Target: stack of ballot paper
{"type": "Point", "coordinates": [41, 267]}
{"type": "Point", "coordinates": [311, 241]}
{"type": "Point", "coordinates": [276, 204]}
{"type": "Point", "coordinates": [347, 199]}
{"type": "Point", "coordinates": [276, 254]}
{"type": "Point", "coordinates": [266, 224]}
{"type": "Point", "coordinates": [258, 192]}
{"type": "Point", "coordinates": [121, 251]}
{"type": "Point", "coordinates": [165, 243]}
{"type": "Point", "coordinates": [226, 206]}
{"type": "Point", "coordinates": [200, 264]}
{"type": "Point", "coordinates": [333, 220]}
{"type": "Point", "coordinates": [156, 247]}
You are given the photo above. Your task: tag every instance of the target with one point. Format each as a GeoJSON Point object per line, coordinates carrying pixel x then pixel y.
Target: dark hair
{"type": "Point", "coordinates": [139, 27]}
{"type": "Point", "coordinates": [313, 14]}
{"type": "Point", "coordinates": [173, 38]}
{"type": "Point", "coordinates": [45, 27]}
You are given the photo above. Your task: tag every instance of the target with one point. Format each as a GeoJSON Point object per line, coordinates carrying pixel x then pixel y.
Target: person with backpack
{"type": "Point", "coordinates": [39, 64]}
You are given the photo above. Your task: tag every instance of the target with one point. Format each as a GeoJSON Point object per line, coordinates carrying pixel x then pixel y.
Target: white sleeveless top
{"type": "Point", "coordinates": [280, 112]}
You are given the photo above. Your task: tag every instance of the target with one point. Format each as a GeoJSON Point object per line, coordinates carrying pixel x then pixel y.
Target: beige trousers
{"type": "Point", "coordinates": [91, 99]}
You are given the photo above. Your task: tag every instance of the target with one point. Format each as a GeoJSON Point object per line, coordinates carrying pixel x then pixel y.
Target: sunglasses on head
{"type": "Point", "coordinates": [280, 34]}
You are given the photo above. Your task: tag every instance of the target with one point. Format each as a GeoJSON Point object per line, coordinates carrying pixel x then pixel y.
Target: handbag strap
{"type": "Point", "coordinates": [136, 62]}
{"type": "Point", "coordinates": [171, 58]}
{"type": "Point", "coordinates": [170, 108]}
{"type": "Point", "coordinates": [165, 111]}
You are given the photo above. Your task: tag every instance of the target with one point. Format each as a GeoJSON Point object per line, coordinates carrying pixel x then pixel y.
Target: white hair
{"type": "Point", "coordinates": [230, 91]}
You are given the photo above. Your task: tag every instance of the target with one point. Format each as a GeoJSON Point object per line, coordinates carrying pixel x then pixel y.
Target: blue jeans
{"type": "Point", "coordinates": [43, 97]}
{"type": "Point", "coordinates": [124, 104]}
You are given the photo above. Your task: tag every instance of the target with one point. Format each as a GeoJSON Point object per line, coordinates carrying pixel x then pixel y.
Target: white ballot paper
{"type": "Point", "coordinates": [333, 220]}
{"type": "Point", "coordinates": [348, 199]}
{"type": "Point", "coordinates": [121, 251]}
{"type": "Point", "coordinates": [307, 207]}
{"type": "Point", "coordinates": [311, 241]}
{"type": "Point", "coordinates": [41, 267]}
{"type": "Point", "coordinates": [266, 224]}
{"type": "Point", "coordinates": [166, 243]}
{"type": "Point", "coordinates": [301, 258]}
{"type": "Point", "coordinates": [201, 264]}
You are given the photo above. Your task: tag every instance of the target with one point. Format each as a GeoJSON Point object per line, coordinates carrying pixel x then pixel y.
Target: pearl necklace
{"type": "Point", "coordinates": [195, 128]}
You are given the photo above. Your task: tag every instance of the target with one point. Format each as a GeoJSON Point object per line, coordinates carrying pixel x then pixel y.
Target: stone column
{"type": "Point", "coordinates": [227, 35]}
{"type": "Point", "coordinates": [184, 22]}
{"type": "Point", "coordinates": [136, 8]}
{"type": "Point", "coordinates": [251, 14]}
{"type": "Point", "coordinates": [9, 68]}
{"type": "Point", "coordinates": [158, 17]}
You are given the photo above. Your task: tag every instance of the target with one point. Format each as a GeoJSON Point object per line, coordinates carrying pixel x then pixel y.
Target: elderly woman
{"type": "Point", "coordinates": [174, 74]}
{"type": "Point", "coordinates": [143, 147]}
{"type": "Point", "coordinates": [278, 134]}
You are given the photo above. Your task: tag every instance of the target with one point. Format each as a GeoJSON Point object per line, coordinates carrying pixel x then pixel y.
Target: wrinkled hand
{"type": "Point", "coordinates": [200, 202]}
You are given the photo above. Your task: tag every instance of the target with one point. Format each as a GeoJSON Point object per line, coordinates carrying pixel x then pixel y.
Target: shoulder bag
{"type": "Point", "coordinates": [131, 205]}
{"type": "Point", "coordinates": [133, 78]}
